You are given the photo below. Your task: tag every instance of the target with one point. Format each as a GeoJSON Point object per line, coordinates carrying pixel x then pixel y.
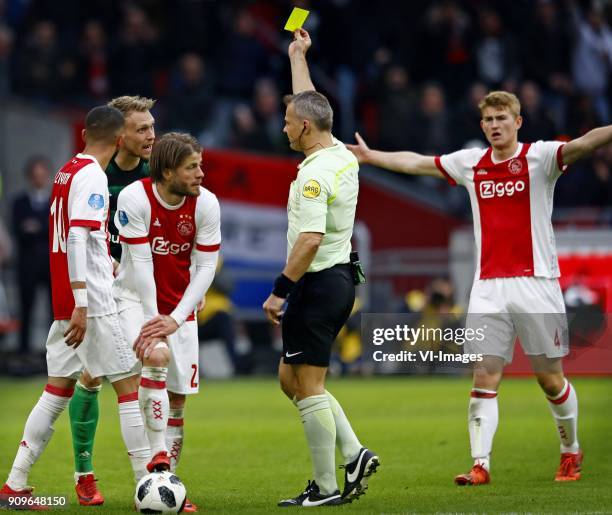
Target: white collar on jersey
{"type": "Point", "coordinates": [88, 156]}
{"type": "Point", "coordinates": [519, 149]}
{"type": "Point", "coordinates": [163, 202]}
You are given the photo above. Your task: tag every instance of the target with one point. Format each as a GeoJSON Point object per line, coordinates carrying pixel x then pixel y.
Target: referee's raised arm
{"type": "Point", "coordinates": [300, 76]}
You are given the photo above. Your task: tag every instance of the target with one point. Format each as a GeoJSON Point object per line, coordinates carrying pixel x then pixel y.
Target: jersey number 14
{"type": "Point", "coordinates": [59, 231]}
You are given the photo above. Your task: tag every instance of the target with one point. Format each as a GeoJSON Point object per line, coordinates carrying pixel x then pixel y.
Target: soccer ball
{"type": "Point", "coordinates": [160, 492]}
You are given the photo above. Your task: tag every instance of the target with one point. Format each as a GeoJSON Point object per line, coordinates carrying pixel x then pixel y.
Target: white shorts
{"type": "Point", "coordinates": [531, 308]}
{"type": "Point", "coordinates": [183, 372]}
{"type": "Point", "coordinates": [104, 351]}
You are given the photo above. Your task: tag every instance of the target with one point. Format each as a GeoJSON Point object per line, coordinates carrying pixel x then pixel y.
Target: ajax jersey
{"type": "Point", "coordinates": [80, 199]}
{"type": "Point", "coordinates": [512, 204]}
{"type": "Point", "coordinates": [174, 233]}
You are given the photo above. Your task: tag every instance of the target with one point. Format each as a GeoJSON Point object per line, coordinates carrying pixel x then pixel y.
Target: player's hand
{"type": "Point", "coordinates": [144, 346]}
{"type": "Point", "coordinates": [115, 266]}
{"type": "Point", "coordinates": [76, 329]}
{"type": "Point", "coordinates": [361, 150]}
{"type": "Point", "coordinates": [300, 44]}
{"type": "Point", "coordinates": [273, 308]}
{"type": "Point", "coordinates": [159, 327]}
{"type": "Point", "coordinates": [201, 305]}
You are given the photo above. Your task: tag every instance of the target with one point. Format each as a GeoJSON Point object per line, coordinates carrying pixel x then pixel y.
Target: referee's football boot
{"type": "Point", "coordinates": [358, 472]}
{"type": "Point", "coordinates": [313, 497]}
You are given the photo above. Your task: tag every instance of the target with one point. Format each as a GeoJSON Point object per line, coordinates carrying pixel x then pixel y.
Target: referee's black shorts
{"type": "Point", "coordinates": [317, 308]}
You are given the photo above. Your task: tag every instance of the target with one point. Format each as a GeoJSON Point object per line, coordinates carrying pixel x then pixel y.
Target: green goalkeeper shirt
{"type": "Point", "coordinates": [117, 180]}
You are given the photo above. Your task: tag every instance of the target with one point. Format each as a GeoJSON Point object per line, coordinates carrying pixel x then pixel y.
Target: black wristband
{"type": "Point", "coordinates": [282, 286]}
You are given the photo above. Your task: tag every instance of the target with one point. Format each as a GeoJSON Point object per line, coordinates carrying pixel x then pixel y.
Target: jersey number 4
{"type": "Point", "coordinates": [59, 231]}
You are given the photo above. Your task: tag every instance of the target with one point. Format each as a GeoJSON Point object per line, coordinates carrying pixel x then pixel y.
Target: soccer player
{"type": "Point", "coordinates": [130, 163]}
{"type": "Point", "coordinates": [516, 289]}
{"type": "Point", "coordinates": [317, 284]}
{"type": "Point", "coordinates": [86, 332]}
{"type": "Point", "coordinates": [168, 225]}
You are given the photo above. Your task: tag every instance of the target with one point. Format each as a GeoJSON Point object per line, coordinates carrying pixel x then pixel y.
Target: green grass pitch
{"type": "Point", "coordinates": [245, 449]}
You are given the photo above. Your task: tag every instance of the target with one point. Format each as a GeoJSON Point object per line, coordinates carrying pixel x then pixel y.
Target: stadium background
{"type": "Point", "coordinates": [407, 75]}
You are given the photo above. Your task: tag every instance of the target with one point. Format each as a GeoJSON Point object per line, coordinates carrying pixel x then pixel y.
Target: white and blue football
{"type": "Point", "coordinates": [160, 492]}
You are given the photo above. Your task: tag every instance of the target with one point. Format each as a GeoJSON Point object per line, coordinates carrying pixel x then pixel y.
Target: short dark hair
{"type": "Point", "coordinates": [104, 123]}
{"type": "Point", "coordinates": [170, 151]}
{"type": "Point", "coordinates": [312, 106]}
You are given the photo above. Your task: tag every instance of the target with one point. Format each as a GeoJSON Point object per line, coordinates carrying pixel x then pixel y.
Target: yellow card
{"type": "Point", "coordinates": [296, 19]}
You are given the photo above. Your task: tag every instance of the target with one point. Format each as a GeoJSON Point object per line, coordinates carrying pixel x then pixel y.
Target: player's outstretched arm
{"type": "Point", "coordinates": [300, 76]}
{"type": "Point", "coordinates": [402, 162]}
{"type": "Point", "coordinates": [587, 144]}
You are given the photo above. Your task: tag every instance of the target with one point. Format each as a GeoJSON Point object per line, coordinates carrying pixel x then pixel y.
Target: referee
{"type": "Point", "coordinates": [317, 286]}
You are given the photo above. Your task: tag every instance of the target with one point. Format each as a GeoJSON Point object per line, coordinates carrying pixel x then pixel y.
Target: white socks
{"type": "Point", "coordinates": [37, 433]}
{"type": "Point", "coordinates": [482, 424]}
{"type": "Point", "coordinates": [154, 405]}
{"type": "Point", "coordinates": [346, 440]}
{"type": "Point", "coordinates": [564, 407]}
{"type": "Point", "coordinates": [174, 436]}
{"type": "Point", "coordinates": [134, 436]}
{"type": "Point", "coordinates": [320, 432]}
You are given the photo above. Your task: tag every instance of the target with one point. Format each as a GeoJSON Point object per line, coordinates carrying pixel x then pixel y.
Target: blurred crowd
{"type": "Point", "coordinates": [408, 75]}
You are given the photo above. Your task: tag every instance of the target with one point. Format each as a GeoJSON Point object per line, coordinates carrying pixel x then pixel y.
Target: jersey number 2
{"type": "Point", "coordinates": [194, 377]}
{"type": "Point", "coordinates": [59, 231]}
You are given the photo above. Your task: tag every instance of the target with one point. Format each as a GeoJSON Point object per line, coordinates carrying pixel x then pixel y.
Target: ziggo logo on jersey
{"type": "Point", "coordinates": [163, 247]}
{"type": "Point", "coordinates": [490, 189]}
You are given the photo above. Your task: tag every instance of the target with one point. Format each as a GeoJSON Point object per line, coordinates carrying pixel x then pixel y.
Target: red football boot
{"type": "Point", "coordinates": [189, 507]}
{"type": "Point", "coordinates": [19, 499]}
{"type": "Point", "coordinates": [87, 491]}
{"type": "Point", "coordinates": [159, 462]}
{"type": "Point", "coordinates": [570, 466]}
{"type": "Point", "coordinates": [477, 476]}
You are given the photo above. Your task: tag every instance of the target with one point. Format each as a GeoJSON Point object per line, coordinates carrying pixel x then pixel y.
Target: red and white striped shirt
{"type": "Point", "coordinates": [512, 204]}
{"type": "Point", "coordinates": [175, 234]}
{"type": "Point", "coordinates": [80, 198]}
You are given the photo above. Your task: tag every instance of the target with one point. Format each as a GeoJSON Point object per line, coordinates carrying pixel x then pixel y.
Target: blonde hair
{"type": "Point", "coordinates": [500, 100]}
{"type": "Point", "coordinates": [127, 104]}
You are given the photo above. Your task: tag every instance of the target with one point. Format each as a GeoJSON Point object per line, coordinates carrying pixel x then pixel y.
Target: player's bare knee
{"type": "Point", "coordinates": [486, 379]}
{"type": "Point", "coordinates": [177, 400]}
{"type": "Point", "coordinates": [126, 385]}
{"type": "Point", "coordinates": [159, 357]}
{"type": "Point", "coordinates": [551, 384]}
{"type": "Point", "coordinates": [89, 382]}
